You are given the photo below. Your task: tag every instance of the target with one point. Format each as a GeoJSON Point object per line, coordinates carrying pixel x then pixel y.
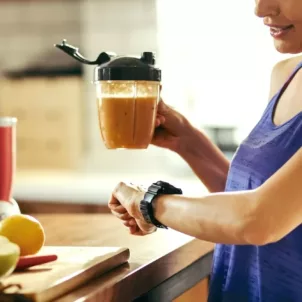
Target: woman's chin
{"type": "Point", "coordinates": [285, 47]}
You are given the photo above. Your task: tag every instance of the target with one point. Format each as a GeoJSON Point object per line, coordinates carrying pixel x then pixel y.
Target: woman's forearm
{"type": "Point", "coordinates": [206, 160]}
{"type": "Point", "coordinates": [260, 216]}
{"type": "Point", "coordinates": [219, 217]}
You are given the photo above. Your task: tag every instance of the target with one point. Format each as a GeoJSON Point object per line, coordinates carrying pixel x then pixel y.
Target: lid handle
{"type": "Point", "coordinates": [74, 52]}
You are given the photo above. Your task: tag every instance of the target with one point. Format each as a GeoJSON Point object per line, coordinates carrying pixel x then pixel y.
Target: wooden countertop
{"type": "Point", "coordinates": [161, 265]}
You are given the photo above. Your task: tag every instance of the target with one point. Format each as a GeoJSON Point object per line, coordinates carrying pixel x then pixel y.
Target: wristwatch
{"type": "Point", "coordinates": [156, 189]}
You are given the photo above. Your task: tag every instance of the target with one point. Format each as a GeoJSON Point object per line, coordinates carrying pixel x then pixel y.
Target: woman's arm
{"type": "Point", "coordinates": [176, 133]}
{"type": "Point", "coordinates": [205, 159]}
{"type": "Point", "coordinates": [256, 217]}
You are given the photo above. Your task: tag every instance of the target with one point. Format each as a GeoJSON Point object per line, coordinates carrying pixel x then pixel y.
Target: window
{"type": "Point", "coordinates": [216, 58]}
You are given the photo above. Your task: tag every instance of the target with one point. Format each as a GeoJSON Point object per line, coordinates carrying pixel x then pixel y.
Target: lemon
{"type": "Point", "coordinates": [25, 231]}
{"type": "Point", "coordinates": [9, 256]}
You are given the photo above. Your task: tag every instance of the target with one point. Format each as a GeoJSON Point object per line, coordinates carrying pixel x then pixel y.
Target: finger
{"type": "Point", "coordinates": [113, 201]}
{"type": "Point", "coordinates": [117, 208]}
{"type": "Point", "coordinates": [127, 224]}
{"type": "Point", "coordinates": [160, 105]}
{"type": "Point", "coordinates": [138, 232]}
{"type": "Point", "coordinates": [132, 226]}
{"type": "Point", "coordinates": [134, 230]}
{"type": "Point", "coordinates": [124, 216]}
{"type": "Point", "coordinates": [163, 107]}
{"type": "Point", "coordinates": [139, 228]}
{"type": "Point", "coordinates": [160, 119]}
{"type": "Point", "coordinates": [145, 227]}
{"type": "Point", "coordinates": [130, 222]}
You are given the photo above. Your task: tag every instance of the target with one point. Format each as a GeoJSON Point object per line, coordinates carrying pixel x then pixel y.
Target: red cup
{"type": "Point", "coordinates": [7, 156]}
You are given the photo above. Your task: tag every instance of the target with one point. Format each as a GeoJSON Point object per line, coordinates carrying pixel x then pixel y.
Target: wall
{"type": "Point", "coordinates": [29, 29]}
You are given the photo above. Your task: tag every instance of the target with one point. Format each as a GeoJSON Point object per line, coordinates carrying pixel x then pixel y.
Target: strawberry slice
{"type": "Point", "coordinates": [29, 261]}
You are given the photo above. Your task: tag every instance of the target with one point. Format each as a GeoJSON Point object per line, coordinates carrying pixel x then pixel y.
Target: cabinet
{"type": "Point", "coordinates": [49, 113]}
{"type": "Point", "coordinates": [198, 293]}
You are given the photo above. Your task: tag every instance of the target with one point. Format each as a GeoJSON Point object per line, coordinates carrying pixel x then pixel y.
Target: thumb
{"type": "Point", "coordinates": [162, 107]}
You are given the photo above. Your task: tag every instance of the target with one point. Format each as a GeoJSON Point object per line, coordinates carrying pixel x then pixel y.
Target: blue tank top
{"type": "Point", "coordinates": [273, 272]}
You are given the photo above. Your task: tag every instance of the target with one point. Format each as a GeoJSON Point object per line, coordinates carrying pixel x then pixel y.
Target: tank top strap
{"type": "Point", "coordinates": [267, 114]}
{"type": "Point", "coordinates": [285, 85]}
{"type": "Point", "coordinates": [297, 68]}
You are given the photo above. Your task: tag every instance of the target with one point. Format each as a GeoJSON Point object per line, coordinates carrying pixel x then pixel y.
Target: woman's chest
{"type": "Point", "coordinates": [261, 154]}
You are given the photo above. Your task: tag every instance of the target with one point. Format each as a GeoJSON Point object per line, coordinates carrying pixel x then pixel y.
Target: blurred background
{"type": "Point", "coordinates": [216, 58]}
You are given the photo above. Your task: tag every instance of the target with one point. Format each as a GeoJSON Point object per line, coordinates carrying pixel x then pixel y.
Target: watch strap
{"type": "Point", "coordinates": [146, 206]}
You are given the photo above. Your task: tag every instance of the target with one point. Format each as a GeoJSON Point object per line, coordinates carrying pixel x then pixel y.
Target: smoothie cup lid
{"type": "Point", "coordinates": [111, 67]}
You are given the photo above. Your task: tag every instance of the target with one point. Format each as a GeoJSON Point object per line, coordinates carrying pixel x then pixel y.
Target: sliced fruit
{"type": "Point", "coordinates": [25, 231]}
{"type": "Point", "coordinates": [3, 240]}
{"type": "Point", "coordinates": [9, 256]}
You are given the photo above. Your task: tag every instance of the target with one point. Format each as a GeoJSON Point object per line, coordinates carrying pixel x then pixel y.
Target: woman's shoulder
{"type": "Point", "coordinates": [281, 72]}
{"type": "Point", "coordinates": [288, 65]}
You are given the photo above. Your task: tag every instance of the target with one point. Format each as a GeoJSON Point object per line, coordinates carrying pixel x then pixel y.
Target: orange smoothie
{"type": "Point", "coordinates": [127, 122]}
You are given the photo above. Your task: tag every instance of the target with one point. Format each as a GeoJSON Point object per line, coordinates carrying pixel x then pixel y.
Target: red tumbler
{"type": "Point", "coordinates": [7, 156]}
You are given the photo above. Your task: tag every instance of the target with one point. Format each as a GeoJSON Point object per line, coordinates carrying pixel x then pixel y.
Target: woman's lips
{"type": "Point", "coordinates": [278, 31]}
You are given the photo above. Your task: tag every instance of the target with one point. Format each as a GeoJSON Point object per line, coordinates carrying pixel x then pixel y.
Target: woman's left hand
{"type": "Point", "coordinates": [125, 205]}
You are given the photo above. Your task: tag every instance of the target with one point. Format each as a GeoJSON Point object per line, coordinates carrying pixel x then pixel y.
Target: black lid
{"type": "Point", "coordinates": [129, 68]}
{"type": "Point", "coordinates": [110, 67]}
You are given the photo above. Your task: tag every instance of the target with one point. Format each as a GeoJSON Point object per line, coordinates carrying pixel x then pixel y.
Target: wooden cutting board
{"type": "Point", "coordinates": [74, 267]}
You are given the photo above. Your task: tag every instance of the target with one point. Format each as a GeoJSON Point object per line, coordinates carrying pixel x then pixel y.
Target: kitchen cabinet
{"type": "Point", "coordinates": [49, 113]}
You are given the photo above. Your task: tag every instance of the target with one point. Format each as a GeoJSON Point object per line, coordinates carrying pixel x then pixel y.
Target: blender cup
{"type": "Point", "coordinates": [127, 90]}
{"type": "Point", "coordinates": [8, 206]}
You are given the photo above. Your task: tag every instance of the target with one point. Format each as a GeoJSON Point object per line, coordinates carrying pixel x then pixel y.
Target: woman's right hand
{"type": "Point", "coordinates": [171, 128]}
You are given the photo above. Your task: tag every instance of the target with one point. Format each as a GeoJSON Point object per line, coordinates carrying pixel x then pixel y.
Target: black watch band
{"type": "Point", "coordinates": [156, 189]}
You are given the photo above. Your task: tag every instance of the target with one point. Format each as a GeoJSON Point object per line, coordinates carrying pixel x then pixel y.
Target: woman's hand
{"type": "Point", "coordinates": [171, 128]}
{"type": "Point", "coordinates": [174, 132]}
{"type": "Point", "coordinates": [125, 205]}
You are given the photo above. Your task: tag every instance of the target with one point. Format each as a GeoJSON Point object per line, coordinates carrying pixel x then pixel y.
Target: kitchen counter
{"type": "Point", "coordinates": [161, 267]}
{"type": "Point", "coordinates": [85, 187]}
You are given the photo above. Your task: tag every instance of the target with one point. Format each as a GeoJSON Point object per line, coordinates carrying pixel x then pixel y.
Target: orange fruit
{"type": "Point", "coordinates": [25, 231]}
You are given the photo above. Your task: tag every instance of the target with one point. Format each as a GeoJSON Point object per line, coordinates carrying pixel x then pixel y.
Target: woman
{"type": "Point", "coordinates": [254, 206]}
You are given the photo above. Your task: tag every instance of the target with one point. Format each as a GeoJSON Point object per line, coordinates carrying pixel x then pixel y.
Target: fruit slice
{"type": "Point", "coordinates": [25, 231]}
{"type": "Point", "coordinates": [9, 255]}
{"type": "Point", "coordinates": [29, 261]}
{"type": "Point", "coordinates": [3, 240]}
